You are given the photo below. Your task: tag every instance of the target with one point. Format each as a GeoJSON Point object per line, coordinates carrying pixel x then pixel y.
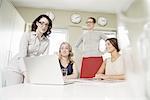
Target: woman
{"type": "Point", "coordinates": [112, 68]}
{"type": "Point", "coordinates": [66, 62]}
{"type": "Point", "coordinates": [34, 43]}
{"type": "Point", "coordinates": [92, 56]}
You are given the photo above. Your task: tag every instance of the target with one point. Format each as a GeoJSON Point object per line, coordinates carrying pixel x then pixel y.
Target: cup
{"type": "Point", "coordinates": [64, 72]}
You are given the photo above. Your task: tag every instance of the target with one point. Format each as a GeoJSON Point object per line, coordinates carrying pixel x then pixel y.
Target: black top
{"type": "Point", "coordinates": [69, 67]}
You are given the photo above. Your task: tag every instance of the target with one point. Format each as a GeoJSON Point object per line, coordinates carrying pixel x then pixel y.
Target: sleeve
{"type": "Point", "coordinates": [24, 45]}
{"type": "Point", "coordinates": [78, 43]}
{"type": "Point", "coordinates": [103, 36]}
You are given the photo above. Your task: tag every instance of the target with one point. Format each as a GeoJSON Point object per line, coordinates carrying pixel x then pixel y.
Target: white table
{"type": "Point", "coordinates": [83, 90]}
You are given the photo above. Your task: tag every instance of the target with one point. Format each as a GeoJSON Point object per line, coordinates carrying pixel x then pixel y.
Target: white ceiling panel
{"type": "Point", "coordinates": [108, 6]}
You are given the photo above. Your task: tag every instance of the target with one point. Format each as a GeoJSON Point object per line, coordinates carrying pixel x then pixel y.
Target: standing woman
{"type": "Point", "coordinates": [66, 62]}
{"type": "Point", "coordinates": [34, 43]}
{"type": "Point", "coordinates": [113, 68]}
{"type": "Point", "coordinates": [92, 56]}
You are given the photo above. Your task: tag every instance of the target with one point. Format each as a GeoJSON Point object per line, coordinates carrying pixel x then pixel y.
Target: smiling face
{"type": "Point", "coordinates": [64, 50]}
{"type": "Point", "coordinates": [42, 25]}
{"type": "Point", "coordinates": [112, 45]}
{"type": "Point", "coordinates": [110, 48]}
{"type": "Point", "coordinates": [90, 24]}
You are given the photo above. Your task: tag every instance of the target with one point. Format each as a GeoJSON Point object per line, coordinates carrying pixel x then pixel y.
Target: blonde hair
{"type": "Point", "coordinates": [70, 51]}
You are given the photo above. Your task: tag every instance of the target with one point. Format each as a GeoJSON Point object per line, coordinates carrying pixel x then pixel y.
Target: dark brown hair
{"type": "Point", "coordinates": [94, 20]}
{"type": "Point", "coordinates": [114, 42]}
{"type": "Point", "coordinates": [34, 26]}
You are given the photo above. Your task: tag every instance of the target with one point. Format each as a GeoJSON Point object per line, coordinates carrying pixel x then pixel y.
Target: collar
{"type": "Point", "coordinates": [43, 37]}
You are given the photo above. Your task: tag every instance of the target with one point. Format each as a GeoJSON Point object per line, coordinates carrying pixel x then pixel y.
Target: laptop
{"type": "Point", "coordinates": [44, 70]}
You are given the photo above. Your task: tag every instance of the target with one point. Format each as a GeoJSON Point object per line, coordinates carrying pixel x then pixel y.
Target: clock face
{"type": "Point", "coordinates": [102, 21]}
{"type": "Point", "coordinates": [75, 18]}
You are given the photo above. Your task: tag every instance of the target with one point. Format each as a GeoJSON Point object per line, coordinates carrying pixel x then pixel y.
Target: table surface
{"type": "Point", "coordinates": [80, 89]}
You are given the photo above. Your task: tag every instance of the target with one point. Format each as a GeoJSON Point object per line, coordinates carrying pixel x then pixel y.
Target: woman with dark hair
{"type": "Point", "coordinates": [34, 24]}
{"type": "Point", "coordinates": [34, 43]}
{"type": "Point", "coordinates": [66, 61]}
{"type": "Point", "coordinates": [112, 68]}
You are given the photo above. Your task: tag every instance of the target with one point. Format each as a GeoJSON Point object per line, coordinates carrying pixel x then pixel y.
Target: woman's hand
{"type": "Point", "coordinates": [101, 76]}
{"type": "Point", "coordinates": [98, 76]}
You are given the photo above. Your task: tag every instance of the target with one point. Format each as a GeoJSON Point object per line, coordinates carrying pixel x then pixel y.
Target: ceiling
{"type": "Point", "coordinates": [107, 6]}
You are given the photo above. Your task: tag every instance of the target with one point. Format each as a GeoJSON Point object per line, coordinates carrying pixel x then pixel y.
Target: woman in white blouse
{"type": "Point", "coordinates": [112, 68]}
{"type": "Point", "coordinates": [34, 43]}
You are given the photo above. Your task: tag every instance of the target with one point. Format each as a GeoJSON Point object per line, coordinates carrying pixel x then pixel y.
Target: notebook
{"type": "Point", "coordinates": [44, 70]}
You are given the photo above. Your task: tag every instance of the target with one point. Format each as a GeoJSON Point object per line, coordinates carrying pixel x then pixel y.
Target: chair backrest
{"type": "Point", "coordinates": [90, 66]}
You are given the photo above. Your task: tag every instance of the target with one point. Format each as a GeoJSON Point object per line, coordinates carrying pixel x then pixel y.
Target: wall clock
{"type": "Point", "coordinates": [75, 18]}
{"type": "Point", "coordinates": [102, 21]}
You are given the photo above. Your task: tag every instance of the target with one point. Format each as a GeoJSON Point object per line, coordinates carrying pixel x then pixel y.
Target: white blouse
{"type": "Point", "coordinates": [30, 46]}
{"type": "Point", "coordinates": [116, 67]}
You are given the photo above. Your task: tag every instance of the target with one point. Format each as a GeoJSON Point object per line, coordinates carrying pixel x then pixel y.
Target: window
{"type": "Point", "coordinates": [56, 38]}
{"type": "Point", "coordinates": [109, 34]}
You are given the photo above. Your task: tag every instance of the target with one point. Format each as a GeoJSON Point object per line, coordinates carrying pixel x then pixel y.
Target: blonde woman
{"type": "Point", "coordinates": [66, 61]}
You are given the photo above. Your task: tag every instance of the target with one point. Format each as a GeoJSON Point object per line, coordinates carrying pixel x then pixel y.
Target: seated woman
{"type": "Point", "coordinates": [66, 62]}
{"type": "Point", "coordinates": [112, 68]}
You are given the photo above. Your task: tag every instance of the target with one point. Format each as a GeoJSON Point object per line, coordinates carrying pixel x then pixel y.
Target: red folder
{"type": "Point", "coordinates": [90, 66]}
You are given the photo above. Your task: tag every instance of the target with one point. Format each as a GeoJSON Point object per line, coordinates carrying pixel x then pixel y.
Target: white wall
{"type": "Point", "coordinates": [11, 30]}
{"type": "Point", "coordinates": [62, 20]}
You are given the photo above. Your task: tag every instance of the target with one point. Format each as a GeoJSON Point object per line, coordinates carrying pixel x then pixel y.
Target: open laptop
{"type": "Point", "coordinates": [44, 70]}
